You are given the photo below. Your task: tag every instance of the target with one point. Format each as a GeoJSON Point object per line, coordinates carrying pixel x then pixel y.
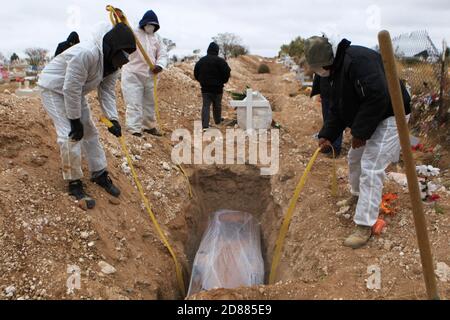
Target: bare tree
{"type": "Point", "coordinates": [170, 45]}
{"type": "Point", "coordinates": [230, 45]}
{"type": "Point", "coordinates": [36, 56]}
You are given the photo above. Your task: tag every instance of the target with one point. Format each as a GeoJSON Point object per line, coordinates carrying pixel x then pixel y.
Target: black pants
{"type": "Point", "coordinates": [216, 100]}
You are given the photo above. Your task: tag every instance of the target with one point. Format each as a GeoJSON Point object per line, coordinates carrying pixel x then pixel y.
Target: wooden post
{"type": "Point", "coordinates": [395, 92]}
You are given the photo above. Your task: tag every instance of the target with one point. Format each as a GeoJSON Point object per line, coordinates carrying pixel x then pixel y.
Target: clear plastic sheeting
{"type": "Point", "coordinates": [229, 255]}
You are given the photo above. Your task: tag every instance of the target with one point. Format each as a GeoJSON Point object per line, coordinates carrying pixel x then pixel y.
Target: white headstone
{"type": "Point", "coordinates": [254, 112]}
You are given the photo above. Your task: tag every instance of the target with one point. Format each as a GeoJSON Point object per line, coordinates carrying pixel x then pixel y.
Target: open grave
{"type": "Point", "coordinates": [237, 188]}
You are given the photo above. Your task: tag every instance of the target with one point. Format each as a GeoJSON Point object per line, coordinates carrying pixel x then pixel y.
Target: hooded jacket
{"type": "Point", "coordinates": [149, 17]}
{"type": "Point", "coordinates": [212, 71]}
{"type": "Point", "coordinates": [117, 40]}
{"type": "Point", "coordinates": [155, 49]}
{"type": "Point", "coordinates": [359, 93]}
{"type": "Point", "coordinates": [72, 40]}
{"type": "Point", "coordinates": [80, 70]}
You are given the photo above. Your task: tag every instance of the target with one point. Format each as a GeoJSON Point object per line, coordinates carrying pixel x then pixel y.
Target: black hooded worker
{"type": "Point", "coordinates": [65, 82]}
{"type": "Point", "coordinates": [212, 72]}
{"type": "Point", "coordinates": [72, 40]}
{"type": "Point", "coordinates": [361, 102]}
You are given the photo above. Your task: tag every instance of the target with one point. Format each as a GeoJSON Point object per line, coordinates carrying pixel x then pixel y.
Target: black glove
{"type": "Point", "coordinates": [157, 69]}
{"type": "Point", "coordinates": [116, 129]}
{"type": "Point", "coordinates": [76, 130]}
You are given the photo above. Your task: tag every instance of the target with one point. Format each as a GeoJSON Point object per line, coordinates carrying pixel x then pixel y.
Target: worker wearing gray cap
{"type": "Point", "coordinates": [361, 102]}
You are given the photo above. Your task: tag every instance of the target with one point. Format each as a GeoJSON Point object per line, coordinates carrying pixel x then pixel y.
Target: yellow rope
{"type": "Point", "coordinates": [287, 220]}
{"type": "Point", "coordinates": [149, 210]}
{"type": "Point", "coordinates": [334, 185]}
{"type": "Point", "coordinates": [155, 98]}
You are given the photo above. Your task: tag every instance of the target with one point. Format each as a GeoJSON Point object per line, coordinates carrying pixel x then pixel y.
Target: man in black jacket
{"type": "Point", "coordinates": [72, 40]}
{"type": "Point", "coordinates": [360, 101]}
{"type": "Point", "coordinates": [212, 72]}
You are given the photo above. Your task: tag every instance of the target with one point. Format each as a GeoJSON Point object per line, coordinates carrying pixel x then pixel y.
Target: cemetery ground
{"type": "Point", "coordinates": [43, 231]}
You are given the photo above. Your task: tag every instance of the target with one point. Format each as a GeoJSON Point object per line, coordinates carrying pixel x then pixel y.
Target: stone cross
{"type": "Point", "coordinates": [249, 103]}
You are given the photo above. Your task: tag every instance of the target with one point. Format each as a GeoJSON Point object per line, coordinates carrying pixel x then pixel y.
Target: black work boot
{"type": "Point", "coordinates": [76, 190]}
{"type": "Point", "coordinates": [106, 183]}
{"type": "Point", "coordinates": [154, 132]}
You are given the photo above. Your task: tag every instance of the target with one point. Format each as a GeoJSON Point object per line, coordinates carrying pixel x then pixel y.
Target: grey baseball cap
{"type": "Point", "coordinates": [318, 52]}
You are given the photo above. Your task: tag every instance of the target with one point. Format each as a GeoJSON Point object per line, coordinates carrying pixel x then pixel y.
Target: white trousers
{"type": "Point", "coordinates": [71, 151]}
{"type": "Point", "coordinates": [367, 170]}
{"type": "Point", "coordinates": [138, 94]}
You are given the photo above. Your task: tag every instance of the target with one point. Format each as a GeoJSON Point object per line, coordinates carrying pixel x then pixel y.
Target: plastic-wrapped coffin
{"type": "Point", "coordinates": [230, 253]}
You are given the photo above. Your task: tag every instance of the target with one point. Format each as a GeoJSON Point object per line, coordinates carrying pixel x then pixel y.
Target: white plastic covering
{"type": "Point", "coordinates": [229, 255]}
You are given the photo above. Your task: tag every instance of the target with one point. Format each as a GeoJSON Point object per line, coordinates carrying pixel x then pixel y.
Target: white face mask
{"type": "Point", "coordinates": [322, 72]}
{"type": "Point", "coordinates": [150, 29]}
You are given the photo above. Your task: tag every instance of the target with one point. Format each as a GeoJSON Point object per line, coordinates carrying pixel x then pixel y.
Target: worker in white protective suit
{"type": "Point", "coordinates": [65, 82]}
{"type": "Point", "coordinates": [138, 79]}
{"type": "Point", "coordinates": [360, 101]}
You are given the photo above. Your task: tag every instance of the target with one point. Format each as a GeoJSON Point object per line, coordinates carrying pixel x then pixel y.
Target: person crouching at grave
{"type": "Point", "coordinates": [361, 102]}
{"type": "Point", "coordinates": [213, 72]}
{"type": "Point", "coordinates": [138, 79]}
{"type": "Point", "coordinates": [65, 82]}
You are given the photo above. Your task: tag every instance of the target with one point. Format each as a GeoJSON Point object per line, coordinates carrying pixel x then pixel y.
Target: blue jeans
{"type": "Point", "coordinates": [326, 109]}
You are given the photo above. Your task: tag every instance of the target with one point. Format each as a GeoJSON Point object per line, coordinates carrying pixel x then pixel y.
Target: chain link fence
{"type": "Point", "coordinates": [419, 61]}
{"type": "Point", "coordinates": [424, 67]}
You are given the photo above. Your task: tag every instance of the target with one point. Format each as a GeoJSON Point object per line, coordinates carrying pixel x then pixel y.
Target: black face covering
{"type": "Point", "coordinates": [116, 43]}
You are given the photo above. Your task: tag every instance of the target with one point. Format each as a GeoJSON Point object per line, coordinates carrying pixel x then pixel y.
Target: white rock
{"type": "Point", "coordinates": [443, 272]}
{"type": "Point", "coordinates": [166, 166]}
{"type": "Point", "coordinates": [157, 194]}
{"type": "Point", "coordinates": [106, 268]}
{"type": "Point", "coordinates": [399, 178]}
{"type": "Point", "coordinates": [343, 210]}
{"type": "Point", "coordinates": [347, 216]}
{"type": "Point", "coordinates": [10, 291]}
{"type": "Point", "coordinates": [125, 168]}
{"type": "Point", "coordinates": [147, 146]}
{"type": "Point", "coordinates": [84, 235]}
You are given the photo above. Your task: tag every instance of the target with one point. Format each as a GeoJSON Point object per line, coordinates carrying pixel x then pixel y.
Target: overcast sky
{"type": "Point", "coordinates": [263, 25]}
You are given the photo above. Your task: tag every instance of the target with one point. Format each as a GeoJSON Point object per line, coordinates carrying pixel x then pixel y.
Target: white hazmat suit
{"type": "Point", "coordinates": [138, 85]}
{"type": "Point", "coordinates": [367, 170]}
{"type": "Point", "coordinates": [65, 83]}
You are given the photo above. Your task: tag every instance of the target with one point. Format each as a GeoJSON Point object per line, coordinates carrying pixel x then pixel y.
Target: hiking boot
{"type": "Point", "coordinates": [106, 183]}
{"type": "Point", "coordinates": [76, 190]}
{"type": "Point", "coordinates": [154, 132]}
{"type": "Point", "coordinates": [359, 237]}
